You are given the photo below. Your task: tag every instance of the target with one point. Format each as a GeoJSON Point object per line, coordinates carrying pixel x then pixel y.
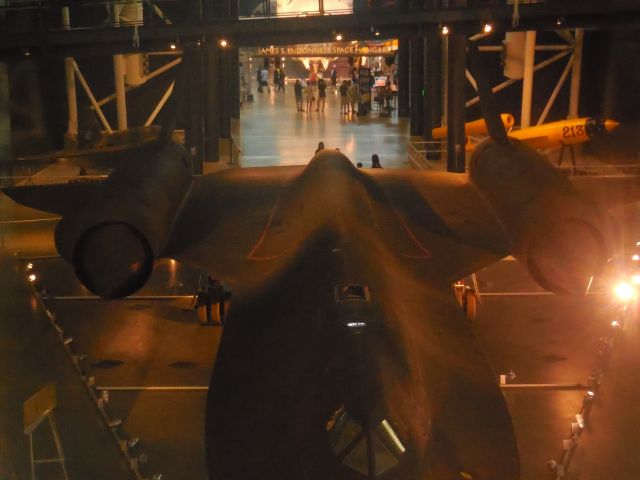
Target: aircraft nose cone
{"type": "Point", "coordinates": [610, 125]}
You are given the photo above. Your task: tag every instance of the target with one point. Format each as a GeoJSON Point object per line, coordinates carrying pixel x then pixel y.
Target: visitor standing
{"type": "Point", "coordinates": [354, 96]}
{"type": "Point", "coordinates": [308, 96]}
{"type": "Point", "coordinates": [281, 79]}
{"type": "Point", "coordinates": [313, 81]}
{"type": "Point", "coordinates": [334, 79]}
{"type": "Point", "coordinates": [344, 100]}
{"type": "Point", "coordinates": [264, 79]}
{"type": "Point", "coordinates": [259, 79]}
{"type": "Point", "coordinates": [276, 79]}
{"type": "Point", "coordinates": [322, 94]}
{"type": "Point", "coordinates": [297, 89]}
{"type": "Point", "coordinates": [375, 161]}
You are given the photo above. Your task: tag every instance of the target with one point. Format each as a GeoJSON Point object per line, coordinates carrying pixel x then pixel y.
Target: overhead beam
{"type": "Point", "coordinates": [320, 28]}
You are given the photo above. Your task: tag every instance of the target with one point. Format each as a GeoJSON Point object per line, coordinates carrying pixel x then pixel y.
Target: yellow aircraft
{"type": "Point", "coordinates": [549, 135]}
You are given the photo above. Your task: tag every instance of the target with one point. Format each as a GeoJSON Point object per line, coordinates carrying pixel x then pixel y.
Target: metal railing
{"type": "Point", "coordinates": [601, 170]}
{"type": "Point", "coordinates": [427, 155]}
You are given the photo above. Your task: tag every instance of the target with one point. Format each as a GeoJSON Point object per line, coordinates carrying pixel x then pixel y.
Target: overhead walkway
{"type": "Point", "coordinates": [147, 26]}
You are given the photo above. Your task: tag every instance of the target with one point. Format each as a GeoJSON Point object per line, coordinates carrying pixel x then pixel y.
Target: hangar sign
{"type": "Point", "coordinates": [326, 50]}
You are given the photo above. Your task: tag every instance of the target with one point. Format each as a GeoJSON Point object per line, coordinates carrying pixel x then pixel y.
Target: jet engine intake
{"type": "Point", "coordinates": [113, 241]}
{"type": "Point", "coordinates": [113, 259]}
{"type": "Point", "coordinates": [561, 237]}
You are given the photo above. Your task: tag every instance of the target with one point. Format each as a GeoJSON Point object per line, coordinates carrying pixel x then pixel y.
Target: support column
{"type": "Point", "coordinates": [416, 47]}
{"type": "Point", "coordinates": [432, 83]}
{"type": "Point", "coordinates": [403, 77]}
{"type": "Point", "coordinates": [235, 81]}
{"type": "Point", "coordinates": [193, 130]}
{"type": "Point", "coordinates": [574, 95]}
{"type": "Point", "coordinates": [5, 120]}
{"type": "Point", "coordinates": [212, 109]}
{"type": "Point", "coordinates": [225, 93]}
{"type": "Point", "coordinates": [119, 70]}
{"type": "Point", "coordinates": [433, 88]}
{"type": "Point", "coordinates": [70, 78]}
{"type": "Point", "coordinates": [527, 79]}
{"type": "Point", "coordinates": [456, 78]}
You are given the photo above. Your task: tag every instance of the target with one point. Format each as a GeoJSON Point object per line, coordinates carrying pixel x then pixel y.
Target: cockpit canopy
{"type": "Point", "coordinates": [377, 447]}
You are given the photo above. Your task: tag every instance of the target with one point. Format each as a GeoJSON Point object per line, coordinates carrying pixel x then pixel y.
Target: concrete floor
{"type": "Point", "coordinates": [151, 343]}
{"type": "Point", "coordinates": [272, 132]}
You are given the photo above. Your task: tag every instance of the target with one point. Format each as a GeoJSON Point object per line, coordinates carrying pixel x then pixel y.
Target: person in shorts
{"type": "Point", "coordinates": [344, 98]}
{"type": "Point", "coordinates": [322, 94]}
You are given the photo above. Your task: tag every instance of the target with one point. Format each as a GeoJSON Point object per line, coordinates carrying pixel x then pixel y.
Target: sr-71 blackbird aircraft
{"type": "Point", "coordinates": [344, 354]}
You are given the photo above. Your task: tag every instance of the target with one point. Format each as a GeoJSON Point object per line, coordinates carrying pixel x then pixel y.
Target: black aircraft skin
{"type": "Point", "coordinates": [344, 355]}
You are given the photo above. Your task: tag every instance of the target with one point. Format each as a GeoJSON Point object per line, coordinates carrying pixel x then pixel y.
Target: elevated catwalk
{"type": "Point", "coordinates": [31, 355]}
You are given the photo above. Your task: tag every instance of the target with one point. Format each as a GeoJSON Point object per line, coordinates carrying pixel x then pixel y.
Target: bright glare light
{"type": "Point", "coordinates": [591, 393]}
{"type": "Point", "coordinates": [356, 324]}
{"type": "Point", "coordinates": [223, 43]}
{"type": "Point", "coordinates": [635, 257]}
{"type": "Point", "coordinates": [29, 266]}
{"type": "Point", "coordinates": [172, 46]}
{"type": "Point", "coordinates": [32, 277]}
{"type": "Point", "coordinates": [615, 324]}
{"type": "Point", "coordinates": [339, 37]}
{"type": "Point", "coordinates": [635, 279]}
{"type": "Point", "coordinates": [624, 291]}
{"type": "Point", "coordinates": [487, 28]}
{"type": "Point", "coordinates": [445, 30]}
{"type": "Point", "coordinates": [580, 420]}
{"type": "Point", "coordinates": [377, 34]}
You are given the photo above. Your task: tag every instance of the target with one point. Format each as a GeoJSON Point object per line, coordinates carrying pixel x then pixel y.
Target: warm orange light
{"type": "Point", "coordinates": [223, 43]}
{"type": "Point", "coordinates": [624, 292]}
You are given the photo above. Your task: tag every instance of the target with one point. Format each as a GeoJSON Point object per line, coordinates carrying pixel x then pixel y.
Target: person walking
{"type": "Point", "coordinates": [322, 94]}
{"type": "Point", "coordinates": [259, 79]}
{"type": "Point", "coordinates": [344, 100]}
{"type": "Point", "coordinates": [308, 96]}
{"type": "Point", "coordinates": [276, 79]}
{"type": "Point", "coordinates": [297, 90]}
{"type": "Point", "coordinates": [354, 96]}
{"type": "Point", "coordinates": [313, 80]}
{"type": "Point", "coordinates": [264, 79]}
{"type": "Point", "coordinates": [334, 79]}
{"type": "Point", "coordinates": [281, 79]}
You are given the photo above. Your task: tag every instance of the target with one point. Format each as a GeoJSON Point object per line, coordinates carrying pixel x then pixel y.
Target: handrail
{"type": "Point", "coordinates": [33, 220]}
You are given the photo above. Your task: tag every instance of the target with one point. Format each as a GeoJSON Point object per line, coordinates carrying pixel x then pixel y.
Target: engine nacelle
{"type": "Point", "coordinates": [113, 241]}
{"type": "Point", "coordinates": [562, 238]}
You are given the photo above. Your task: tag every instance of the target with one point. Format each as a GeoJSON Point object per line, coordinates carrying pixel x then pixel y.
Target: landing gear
{"type": "Point", "coordinates": [467, 296]}
{"type": "Point", "coordinates": [470, 304]}
{"type": "Point", "coordinates": [211, 302]}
